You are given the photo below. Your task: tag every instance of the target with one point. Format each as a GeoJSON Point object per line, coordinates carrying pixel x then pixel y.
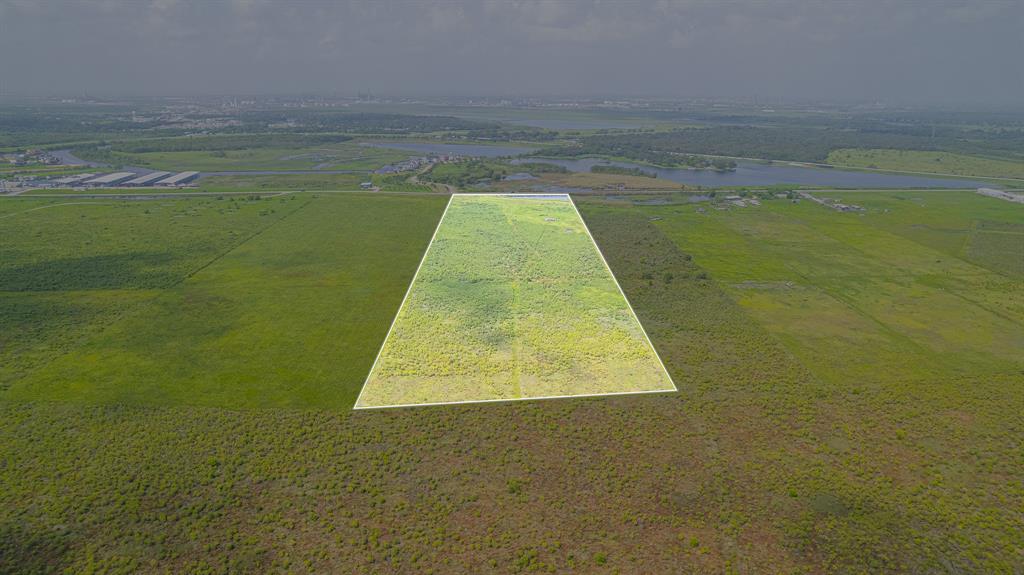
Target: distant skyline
{"type": "Point", "coordinates": [928, 52]}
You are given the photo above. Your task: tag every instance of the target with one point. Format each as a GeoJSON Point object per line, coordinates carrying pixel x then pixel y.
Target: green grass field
{"type": "Point", "coordinates": [871, 365]}
{"type": "Point", "coordinates": [934, 162]}
{"type": "Point", "coordinates": [69, 267]}
{"type": "Point", "coordinates": [986, 233]}
{"type": "Point", "coordinates": [41, 170]}
{"type": "Point", "coordinates": [340, 156]}
{"type": "Point", "coordinates": [848, 294]}
{"type": "Point", "coordinates": [307, 182]}
{"type": "Point", "coordinates": [512, 301]}
{"type": "Point", "coordinates": [177, 374]}
{"type": "Point", "coordinates": [215, 302]}
{"type": "Point", "coordinates": [278, 182]}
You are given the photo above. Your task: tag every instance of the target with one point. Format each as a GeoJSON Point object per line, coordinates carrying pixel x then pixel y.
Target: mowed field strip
{"type": "Point", "coordinates": [512, 300]}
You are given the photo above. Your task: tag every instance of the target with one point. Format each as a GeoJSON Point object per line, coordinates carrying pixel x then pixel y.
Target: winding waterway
{"type": "Point", "coordinates": [747, 173]}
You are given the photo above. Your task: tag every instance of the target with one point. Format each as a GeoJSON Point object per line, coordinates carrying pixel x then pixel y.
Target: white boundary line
{"type": "Point", "coordinates": [356, 406]}
{"type": "Point", "coordinates": [511, 399]}
{"type": "Point", "coordinates": [616, 280]}
{"type": "Point", "coordinates": [402, 305]}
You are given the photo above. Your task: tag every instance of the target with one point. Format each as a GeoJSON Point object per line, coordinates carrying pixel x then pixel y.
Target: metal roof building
{"type": "Point", "coordinates": [178, 179]}
{"type": "Point", "coordinates": [73, 179]}
{"type": "Point", "coordinates": [147, 179]}
{"type": "Point", "coordinates": [111, 179]}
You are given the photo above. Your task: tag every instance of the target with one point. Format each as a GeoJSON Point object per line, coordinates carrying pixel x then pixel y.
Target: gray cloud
{"type": "Point", "coordinates": [865, 49]}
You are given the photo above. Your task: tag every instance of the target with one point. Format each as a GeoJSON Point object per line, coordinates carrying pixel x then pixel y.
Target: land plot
{"type": "Point", "coordinates": [512, 301]}
{"type": "Point", "coordinates": [928, 161]}
{"type": "Point", "coordinates": [893, 293]}
{"type": "Point", "coordinates": [289, 314]}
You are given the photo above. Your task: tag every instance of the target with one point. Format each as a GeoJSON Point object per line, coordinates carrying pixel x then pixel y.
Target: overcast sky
{"type": "Point", "coordinates": [925, 51]}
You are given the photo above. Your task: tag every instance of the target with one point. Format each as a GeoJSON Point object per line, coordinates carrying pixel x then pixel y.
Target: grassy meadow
{"type": "Point", "coordinates": [334, 156]}
{"type": "Point", "coordinates": [598, 181]}
{"type": "Point", "coordinates": [217, 302]}
{"type": "Point", "coordinates": [278, 182]}
{"type": "Point", "coordinates": [306, 182]}
{"type": "Point", "coordinates": [176, 377]}
{"type": "Point", "coordinates": [512, 301]}
{"type": "Point", "coordinates": [869, 365]}
{"type": "Point", "coordinates": [69, 267]}
{"type": "Point", "coordinates": [928, 161]}
{"type": "Point", "coordinates": [851, 292]}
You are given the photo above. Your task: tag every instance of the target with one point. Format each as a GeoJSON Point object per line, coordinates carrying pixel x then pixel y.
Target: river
{"type": "Point", "coordinates": [746, 173]}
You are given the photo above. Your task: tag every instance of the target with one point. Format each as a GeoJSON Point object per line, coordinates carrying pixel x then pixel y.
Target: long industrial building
{"type": "Point", "coordinates": [147, 179]}
{"type": "Point", "coordinates": [178, 179]}
{"type": "Point", "coordinates": [70, 180]}
{"type": "Point", "coordinates": [110, 179]}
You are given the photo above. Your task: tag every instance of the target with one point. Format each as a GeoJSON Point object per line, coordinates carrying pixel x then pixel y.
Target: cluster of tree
{"type": "Point", "coordinates": [707, 163]}
{"type": "Point", "coordinates": [647, 155]}
{"type": "Point", "coordinates": [100, 153]}
{"type": "Point", "coordinates": [463, 174]}
{"type": "Point", "coordinates": [471, 172]}
{"type": "Point", "coordinates": [31, 126]}
{"type": "Point", "coordinates": [619, 170]}
{"type": "Point", "coordinates": [513, 135]}
{"type": "Point", "coordinates": [955, 124]}
{"type": "Point", "coordinates": [398, 183]}
{"type": "Point", "coordinates": [227, 142]}
{"type": "Point", "coordinates": [116, 153]}
{"type": "Point", "coordinates": [797, 143]}
{"type": "Point", "coordinates": [358, 122]}
{"type": "Point", "coordinates": [69, 120]}
{"type": "Point", "coordinates": [541, 168]}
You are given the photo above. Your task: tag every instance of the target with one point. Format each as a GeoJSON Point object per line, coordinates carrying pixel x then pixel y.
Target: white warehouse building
{"type": "Point", "coordinates": [147, 179]}
{"type": "Point", "coordinates": [110, 179]}
{"type": "Point", "coordinates": [178, 179]}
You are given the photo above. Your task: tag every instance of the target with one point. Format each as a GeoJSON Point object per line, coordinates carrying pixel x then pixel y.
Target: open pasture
{"type": "Point", "coordinates": [336, 156]}
{"type": "Point", "coordinates": [512, 301]}
{"type": "Point", "coordinates": [70, 267]}
{"type": "Point", "coordinates": [985, 232]}
{"type": "Point", "coordinates": [878, 359]}
{"type": "Point", "coordinates": [930, 161]}
{"type": "Point", "coordinates": [233, 303]}
{"type": "Point", "coordinates": [769, 459]}
{"type": "Point", "coordinates": [910, 289]}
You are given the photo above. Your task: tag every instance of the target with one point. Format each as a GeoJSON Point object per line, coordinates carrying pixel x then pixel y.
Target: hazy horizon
{"type": "Point", "coordinates": [949, 53]}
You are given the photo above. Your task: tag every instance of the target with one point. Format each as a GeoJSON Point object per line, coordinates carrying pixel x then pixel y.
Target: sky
{"type": "Point", "coordinates": [928, 51]}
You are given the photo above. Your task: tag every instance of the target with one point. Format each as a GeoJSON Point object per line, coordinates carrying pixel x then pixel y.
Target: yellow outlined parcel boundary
{"type": "Point", "coordinates": [512, 300]}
